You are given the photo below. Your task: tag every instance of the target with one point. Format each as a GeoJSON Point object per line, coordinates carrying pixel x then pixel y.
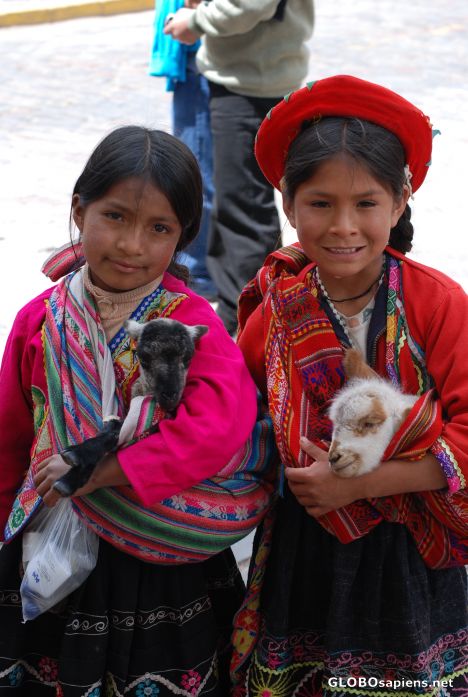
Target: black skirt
{"type": "Point", "coordinates": [365, 618]}
{"type": "Point", "coordinates": [133, 629]}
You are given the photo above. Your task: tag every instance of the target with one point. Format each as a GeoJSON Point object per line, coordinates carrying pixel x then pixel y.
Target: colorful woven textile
{"type": "Point", "coordinates": [188, 527]}
{"type": "Point", "coordinates": [304, 370]}
{"type": "Point", "coordinates": [291, 656]}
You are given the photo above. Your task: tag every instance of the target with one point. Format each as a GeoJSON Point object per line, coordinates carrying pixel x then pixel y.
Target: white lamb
{"type": "Point", "coordinates": [366, 413]}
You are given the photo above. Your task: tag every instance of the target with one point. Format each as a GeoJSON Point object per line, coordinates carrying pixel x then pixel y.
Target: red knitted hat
{"type": "Point", "coordinates": [344, 95]}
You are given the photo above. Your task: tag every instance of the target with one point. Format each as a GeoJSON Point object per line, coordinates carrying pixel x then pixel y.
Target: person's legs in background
{"type": "Point", "coordinates": [191, 123]}
{"type": "Point", "coordinates": [245, 225]}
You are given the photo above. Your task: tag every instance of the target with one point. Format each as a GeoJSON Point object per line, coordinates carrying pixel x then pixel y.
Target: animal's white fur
{"type": "Point", "coordinates": [366, 414]}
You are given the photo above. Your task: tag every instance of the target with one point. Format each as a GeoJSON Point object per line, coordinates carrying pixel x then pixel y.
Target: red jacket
{"type": "Point", "coordinates": [436, 310]}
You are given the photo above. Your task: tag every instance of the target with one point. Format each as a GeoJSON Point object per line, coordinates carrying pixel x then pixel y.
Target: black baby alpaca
{"type": "Point", "coordinates": [164, 348]}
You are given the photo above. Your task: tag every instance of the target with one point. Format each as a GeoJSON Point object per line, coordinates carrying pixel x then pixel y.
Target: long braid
{"type": "Point", "coordinates": [401, 236]}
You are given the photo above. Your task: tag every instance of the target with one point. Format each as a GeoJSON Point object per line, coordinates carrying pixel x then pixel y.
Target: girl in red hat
{"type": "Point", "coordinates": [357, 585]}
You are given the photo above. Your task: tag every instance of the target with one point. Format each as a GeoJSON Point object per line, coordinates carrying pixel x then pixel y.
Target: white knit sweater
{"type": "Point", "coordinates": [250, 53]}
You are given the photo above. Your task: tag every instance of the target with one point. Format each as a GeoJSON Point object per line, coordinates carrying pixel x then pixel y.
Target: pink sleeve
{"type": "Point", "coordinates": [215, 418]}
{"type": "Point", "coordinates": [16, 409]}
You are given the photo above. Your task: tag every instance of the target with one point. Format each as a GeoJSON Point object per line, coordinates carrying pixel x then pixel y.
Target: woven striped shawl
{"type": "Point", "coordinates": [304, 370]}
{"type": "Point", "coordinates": [188, 527]}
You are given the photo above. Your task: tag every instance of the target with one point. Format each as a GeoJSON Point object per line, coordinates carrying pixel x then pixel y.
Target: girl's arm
{"type": "Point", "coordinates": [230, 17]}
{"type": "Point", "coordinates": [320, 490]}
{"type": "Point", "coordinates": [252, 345]}
{"type": "Point", "coordinates": [445, 344]}
{"type": "Point", "coordinates": [214, 419]}
{"type": "Point", "coordinates": [108, 472]}
{"type": "Point", "coordinates": [21, 384]}
{"type": "Point", "coordinates": [441, 328]}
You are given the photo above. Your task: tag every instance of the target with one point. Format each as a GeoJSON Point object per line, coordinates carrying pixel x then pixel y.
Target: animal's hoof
{"type": "Point", "coordinates": [63, 487]}
{"type": "Point", "coordinates": [72, 457]}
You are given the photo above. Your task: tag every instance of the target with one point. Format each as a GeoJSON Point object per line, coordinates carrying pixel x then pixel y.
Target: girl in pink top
{"type": "Point", "coordinates": [143, 623]}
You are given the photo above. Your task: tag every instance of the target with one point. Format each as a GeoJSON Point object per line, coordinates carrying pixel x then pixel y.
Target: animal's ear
{"type": "Point", "coordinates": [133, 328]}
{"type": "Point", "coordinates": [355, 366]}
{"type": "Point", "coordinates": [404, 415]}
{"type": "Point", "coordinates": [197, 331]}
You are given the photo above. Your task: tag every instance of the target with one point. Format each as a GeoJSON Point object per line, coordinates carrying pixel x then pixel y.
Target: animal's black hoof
{"type": "Point", "coordinates": [72, 480]}
{"type": "Point", "coordinates": [91, 451]}
{"type": "Point", "coordinates": [83, 457]}
{"type": "Point", "coordinates": [64, 487]}
{"type": "Point", "coordinates": [72, 456]}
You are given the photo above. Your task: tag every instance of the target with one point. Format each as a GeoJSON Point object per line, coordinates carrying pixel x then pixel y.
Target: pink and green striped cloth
{"type": "Point", "coordinates": [188, 527]}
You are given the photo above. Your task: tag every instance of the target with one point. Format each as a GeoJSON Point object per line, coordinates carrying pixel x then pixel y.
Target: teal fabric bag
{"type": "Point", "coordinates": [168, 57]}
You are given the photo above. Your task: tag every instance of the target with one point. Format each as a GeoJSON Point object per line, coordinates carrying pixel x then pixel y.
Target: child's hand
{"type": "Point", "coordinates": [316, 487]}
{"type": "Point", "coordinates": [107, 473]}
{"type": "Point", "coordinates": [178, 27]}
{"type": "Point", "coordinates": [49, 471]}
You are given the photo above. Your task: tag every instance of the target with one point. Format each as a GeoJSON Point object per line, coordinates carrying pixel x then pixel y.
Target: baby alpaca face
{"type": "Point", "coordinates": [366, 413]}
{"type": "Point", "coordinates": [165, 348]}
{"type": "Point", "coordinates": [363, 428]}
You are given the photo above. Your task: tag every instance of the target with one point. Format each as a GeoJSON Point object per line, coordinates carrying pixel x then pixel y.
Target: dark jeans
{"type": "Point", "coordinates": [244, 223]}
{"type": "Point", "coordinates": [191, 123]}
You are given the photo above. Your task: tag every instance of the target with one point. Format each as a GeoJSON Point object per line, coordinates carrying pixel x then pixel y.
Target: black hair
{"type": "Point", "coordinates": [158, 157]}
{"type": "Point", "coordinates": [372, 146]}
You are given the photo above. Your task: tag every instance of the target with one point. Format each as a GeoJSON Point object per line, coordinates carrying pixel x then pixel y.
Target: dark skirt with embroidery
{"type": "Point", "coordinates": [133, 629]}
{"type": "Point", "coordinates": [366, 618]}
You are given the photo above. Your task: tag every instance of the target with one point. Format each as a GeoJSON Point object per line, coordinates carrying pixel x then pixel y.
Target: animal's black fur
{"type": "Point", "coordinates": [84, 457]}
{"type": "Point", "coordinates": [164, 348]}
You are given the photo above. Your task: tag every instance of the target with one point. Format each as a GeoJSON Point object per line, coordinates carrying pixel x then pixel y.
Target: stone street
{"type": "Point", "coordinates": [64, 85]}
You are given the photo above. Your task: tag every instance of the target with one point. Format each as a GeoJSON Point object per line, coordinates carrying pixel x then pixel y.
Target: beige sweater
{"type": "Point", "coordinates": [114, 308]}
{"type": "Point", "coordinates": [250, 53]}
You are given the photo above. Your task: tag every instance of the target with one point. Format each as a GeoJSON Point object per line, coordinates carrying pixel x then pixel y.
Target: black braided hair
{"type": "Point", "coordinates": [401, 236]}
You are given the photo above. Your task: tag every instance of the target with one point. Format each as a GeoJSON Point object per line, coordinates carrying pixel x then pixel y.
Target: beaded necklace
{"type": "Point", "coordinates": [342, 318]}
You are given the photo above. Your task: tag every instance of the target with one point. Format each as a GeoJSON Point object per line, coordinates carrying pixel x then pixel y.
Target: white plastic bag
{"type": "Point", "coordinates": [59, 553]}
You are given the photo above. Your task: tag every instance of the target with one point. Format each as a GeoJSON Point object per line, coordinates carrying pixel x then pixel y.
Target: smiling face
{"type": "Point", "coordinates": [129, 235]}
{"type": "Point", "coordinates": [343, 217]}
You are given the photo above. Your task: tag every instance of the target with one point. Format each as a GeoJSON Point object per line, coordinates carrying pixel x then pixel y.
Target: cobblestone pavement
{"type": "Point", "coordinates": [64, 85]}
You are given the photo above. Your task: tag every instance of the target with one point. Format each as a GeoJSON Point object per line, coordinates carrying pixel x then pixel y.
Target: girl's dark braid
{"type": "Point", "coordinates": [401, 235]}
{"type": "Point", "coordinates": [179, 271]}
